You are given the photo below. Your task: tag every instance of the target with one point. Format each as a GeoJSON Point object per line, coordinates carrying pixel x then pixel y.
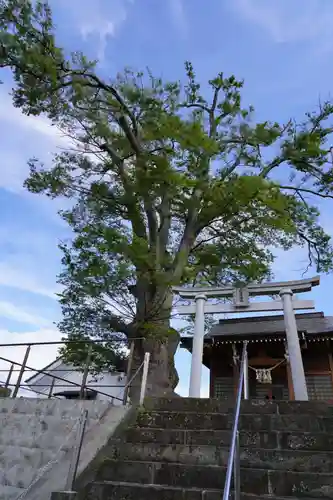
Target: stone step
{"type": "Point", "coordinates": [220, 421]}
{"type": "Point", "coordinates": [254, 481]}
{"type": "Point", "coordinates": [249, 496]}
{"type": "Point", "coordinates": [269, 440]}
{"type": "Point", "coordinates": [122, 491]}
{"type": "Point", "coordinates": [298, 461]}
{"type": "Point", "coordinates": [251, 406]}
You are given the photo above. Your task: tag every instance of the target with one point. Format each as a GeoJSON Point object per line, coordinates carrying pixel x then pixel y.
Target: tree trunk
{"type": "Point", "coordinates": [162, 373]}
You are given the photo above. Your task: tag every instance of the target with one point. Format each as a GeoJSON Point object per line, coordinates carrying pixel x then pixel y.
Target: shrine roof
{"type": "Point", "coordinates": [261, 327]}
{"type": "Point", "coordinates": [314, 323]}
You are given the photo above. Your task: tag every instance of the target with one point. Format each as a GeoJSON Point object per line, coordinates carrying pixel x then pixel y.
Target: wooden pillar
{"type": "Point", "coordinates": [330, 358]}
{"type": "Point", "coordinates": [211, 381]}
{"type": "Point", "coordinates": [235, 371]}
{"type": "Point", "coordinates": [289, 377]}
{"type": "Point", "coordinates": [211, 384]}
{"type": "Point", "coordinates": [212, 371]}
{"type": "Point", "coordinates": [290, 383]}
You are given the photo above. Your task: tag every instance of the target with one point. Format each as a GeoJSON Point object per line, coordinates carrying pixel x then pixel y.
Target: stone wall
{"type": "Point", "coordinates": [33, 430]}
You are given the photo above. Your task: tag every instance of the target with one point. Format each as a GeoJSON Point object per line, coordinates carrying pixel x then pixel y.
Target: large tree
{"type": "Point", "coordinates": [169, 185]}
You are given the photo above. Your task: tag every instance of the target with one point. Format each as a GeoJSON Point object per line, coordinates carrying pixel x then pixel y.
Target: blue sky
{"type": "Point", "coordinates": [282, 49]}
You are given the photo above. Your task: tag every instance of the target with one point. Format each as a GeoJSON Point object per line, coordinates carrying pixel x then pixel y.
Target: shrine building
{"type": "Point", "coordinates": [269, 373]}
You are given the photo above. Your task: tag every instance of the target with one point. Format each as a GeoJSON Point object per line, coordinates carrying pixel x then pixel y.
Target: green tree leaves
{"type": "Point", "coordinates": [169, 185]}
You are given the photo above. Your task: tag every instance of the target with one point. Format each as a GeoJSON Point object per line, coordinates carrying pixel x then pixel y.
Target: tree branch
{"type": "Point", "coordinates": [196, 105]}
{"type": "Point", "coordinates": [152, 222]}
{"type": "Point", "coordinates": [118, 325]}
{"type": "Point", "coordinates": [306, 190]}
{"type": "Point", "coordinates": [184, 247]}
{"type": "Point", "coordinates": [165, 222]}
{"type": "Point", "coordinates": [311, 246]}
{"type": "Point", "coordinates": [271, 166]}
{"type": "Point", "coordinates": [212, 122]}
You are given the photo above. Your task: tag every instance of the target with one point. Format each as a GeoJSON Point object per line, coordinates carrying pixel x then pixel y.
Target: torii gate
{"type": "Point", "coordinates": [241, 303]}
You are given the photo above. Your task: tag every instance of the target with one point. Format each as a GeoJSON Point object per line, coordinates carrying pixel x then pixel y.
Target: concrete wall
{"type": "Point", "coordinates": [33, 430]}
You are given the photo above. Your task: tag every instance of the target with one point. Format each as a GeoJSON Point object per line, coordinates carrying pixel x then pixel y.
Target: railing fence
{"type": "Point", "coordinates": [83, 386]}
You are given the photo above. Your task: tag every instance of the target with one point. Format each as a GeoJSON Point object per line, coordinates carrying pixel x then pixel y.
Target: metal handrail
{"type": "Point", "coordinates": [24, 367]}
{"type": "Point", "coordinates": [74, 463]}
{"type": "Point", "coordinates": [145, 366]}
{"type": "Point", "coordinates": [83, 386]}
{"type": "Point", "coordinates": [234, 458]}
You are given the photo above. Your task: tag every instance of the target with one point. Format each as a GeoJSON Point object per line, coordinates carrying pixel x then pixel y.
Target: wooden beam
{"type": "Point", "coordinates": [273, 305]}
{"type": "Point", "coordinates": [265, 361]}
{"type": "Point", "coordinates": [318, 372]}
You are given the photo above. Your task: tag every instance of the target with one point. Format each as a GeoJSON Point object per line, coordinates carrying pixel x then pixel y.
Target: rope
{"type": "Point", "coordinates": [263, 375]}
{"type": "Point", "coordinates": [268, 369]}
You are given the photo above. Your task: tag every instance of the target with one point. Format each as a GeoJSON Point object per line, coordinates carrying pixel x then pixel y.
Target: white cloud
{"type": "Point", "coordinates": [287, 21]}
{"type": "Point", "coordinates": [22, 279]}
{"type": "Point", "coordinates": [12, 116]}
{"type": "Point", "coordinates": [35, 137]}
{"type": "Point", "coordinates": [179, 16]}
{"type": "Point", "coordinates": [29, 260]}
{"type": "Point", "coordinates": [101, 19]}
{"type": "Point", "coordinates": [10, 311]}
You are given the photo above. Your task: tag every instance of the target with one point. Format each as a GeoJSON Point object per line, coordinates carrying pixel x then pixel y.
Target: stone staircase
{"type": "Point", "coordinates": [178, 450]}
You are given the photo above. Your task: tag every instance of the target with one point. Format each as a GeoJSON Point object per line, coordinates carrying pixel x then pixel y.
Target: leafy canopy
{"type": "Point", "coordinates": [170, 184]}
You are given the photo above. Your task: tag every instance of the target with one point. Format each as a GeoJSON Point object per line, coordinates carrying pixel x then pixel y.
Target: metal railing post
{"type": "Point", "coordinates": [128, 374]}
{"type": "Point", "coordinates": [144, 377]}
{"type": "Point", "coordinates": [9, 376]}
{"type": "Point", "coordinates": [51, 388]}
{"type": "Point", "coordinates": [76, 451]}
{"type": "Point", "coordinates": [85, 373]}
{"type": "Point", "coordinates": [237, 469]}
{"type": "Point", "coordinates": [246, 372]}
{"type": "Point", "coordinates": [22, 370]}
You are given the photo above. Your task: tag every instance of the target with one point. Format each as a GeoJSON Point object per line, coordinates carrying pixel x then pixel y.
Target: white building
{"type": "Point", "coordinates": [105, 386]}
